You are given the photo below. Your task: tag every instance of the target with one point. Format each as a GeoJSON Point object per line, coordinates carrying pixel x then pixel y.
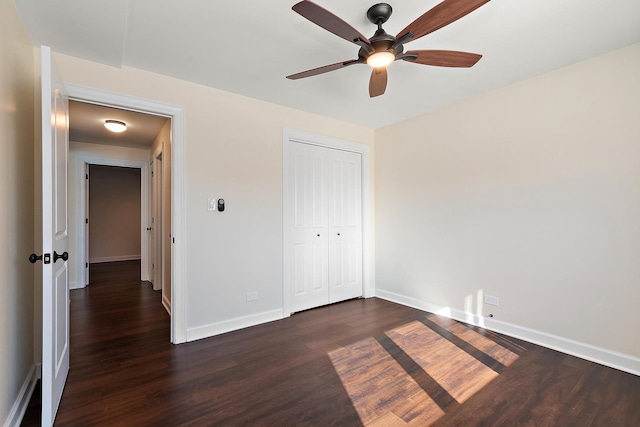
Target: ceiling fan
{"type": "Point", "coordinates": [382, 49]}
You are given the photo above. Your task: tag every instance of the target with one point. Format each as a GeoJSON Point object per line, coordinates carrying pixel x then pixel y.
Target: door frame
{"type": "Point", "coordinates": [292, 136]}
{"type": "Point", "coordinates": [178, 197]}
{"type": "Point", "coordinates": [83, 211]}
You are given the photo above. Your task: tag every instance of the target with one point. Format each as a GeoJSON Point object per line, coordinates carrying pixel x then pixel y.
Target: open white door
{"type": "Point", "coordinates": [55, 238]}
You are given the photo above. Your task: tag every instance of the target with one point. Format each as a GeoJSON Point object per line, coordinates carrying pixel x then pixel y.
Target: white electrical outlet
{"type": "Point", "coordinates": [491, 300]}
{"type": "Point", "coordinates": [211, 204]}
{"type": "Point", "coordinates": [252, 296]}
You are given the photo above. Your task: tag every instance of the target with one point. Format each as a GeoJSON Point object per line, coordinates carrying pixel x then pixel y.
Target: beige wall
{"type": "Point", "coordinates": [233, 151]}
{"type": "Point", "coordinates": [16, 214]}
{"type": "Point", "coordinates": [114, 213]}
{"type": "Point", "coordinates": [530, 193]}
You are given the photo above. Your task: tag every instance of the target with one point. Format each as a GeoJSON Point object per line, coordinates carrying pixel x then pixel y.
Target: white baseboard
{"type": "Point", "coordinates": [24, 396]}
{"type": "Point", "coordinates": [76, 285]}
{"type": "Point", "coordinates": [114, 258]}
{"type": "Point", "coordinates": [589, 352]}
{"type": "Point", "coordinates": [232, 325]}
{"type": "Point", "coordinates": [166, 304]}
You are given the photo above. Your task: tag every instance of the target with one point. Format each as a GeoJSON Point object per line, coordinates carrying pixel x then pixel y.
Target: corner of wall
{"type": "Point", "coordinates": [612, 359]}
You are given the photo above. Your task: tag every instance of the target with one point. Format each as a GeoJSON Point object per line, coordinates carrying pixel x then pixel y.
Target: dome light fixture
{"type": "Point", "coordinates": [115, 126]}
{"type": "Point", "coordinates": [380, 59]}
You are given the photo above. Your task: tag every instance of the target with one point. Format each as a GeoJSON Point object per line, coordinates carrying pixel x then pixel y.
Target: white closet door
{"type": "Point", "coordinates": [309, 266]}
{"type": "Point", "coordinates": [345, 225]}
{"type": "Point", "coordinates": [323, 258]}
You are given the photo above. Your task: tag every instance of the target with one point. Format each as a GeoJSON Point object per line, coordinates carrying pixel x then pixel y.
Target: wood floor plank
{"type": "Point", "coordinates": [361, 362]}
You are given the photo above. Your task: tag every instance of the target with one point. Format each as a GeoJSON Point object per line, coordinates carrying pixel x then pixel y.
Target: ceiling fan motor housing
{"type": "Point", "coordinates": [379, 13]}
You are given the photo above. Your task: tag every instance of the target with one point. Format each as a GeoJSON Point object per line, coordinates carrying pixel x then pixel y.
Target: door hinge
{"type": "Point", "coordinates": [86, 265]}
{"type": "Point", "coordinates": [86, 220]}
{"type": "Point", "coordinates": [86, 176]}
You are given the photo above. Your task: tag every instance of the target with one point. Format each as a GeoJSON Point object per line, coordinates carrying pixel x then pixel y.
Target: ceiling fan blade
{"type": "Point", "coordinates": [444, 58]}
{"type": "Point", "coordinates": [378, 81]}
{"type": "Point", "coordinates": [324, 69]}
{"type": "Point", "coordinates": [439, 16]}
{"type": "Point", "coordinates": [330, 22]}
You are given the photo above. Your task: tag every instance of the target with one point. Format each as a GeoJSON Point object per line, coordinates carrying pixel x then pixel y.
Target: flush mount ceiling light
{"type": "Point", "coordinates": [115, 126]}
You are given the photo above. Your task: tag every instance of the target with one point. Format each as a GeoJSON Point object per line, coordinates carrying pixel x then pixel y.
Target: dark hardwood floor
{"type": "Point", "coordinates": [361, 362]}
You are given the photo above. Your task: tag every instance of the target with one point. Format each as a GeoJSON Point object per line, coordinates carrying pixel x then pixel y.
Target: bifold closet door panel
{"type": "Point", "coordinates": [310, 225]}
{"type": "Point", "coordinates": [345, 225]}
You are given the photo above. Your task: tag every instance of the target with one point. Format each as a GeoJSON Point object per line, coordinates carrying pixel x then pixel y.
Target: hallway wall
{"type": "Point", "coordinates": [114, 213]}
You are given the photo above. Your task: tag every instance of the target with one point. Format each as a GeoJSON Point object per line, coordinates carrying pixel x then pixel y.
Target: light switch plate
{"type": "Point", "coordinates": [211, 204]}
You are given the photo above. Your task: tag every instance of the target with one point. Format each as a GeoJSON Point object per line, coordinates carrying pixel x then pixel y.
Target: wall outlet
{"type": "Point", "coordinates": [491, 300]}
{"type": "Point", "coordinates": [211, 204]}
{"type": "Point", "coordinates": [252, 296]}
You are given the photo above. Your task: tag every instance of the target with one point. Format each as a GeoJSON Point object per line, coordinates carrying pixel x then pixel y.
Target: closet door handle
{"type": "Point", "coordinates": [318, 235]}
{"type": "Point", "coordinates": [338, 234]}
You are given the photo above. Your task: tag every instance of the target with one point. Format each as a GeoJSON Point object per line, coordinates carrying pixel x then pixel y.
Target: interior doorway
{"type": "Point", "coordinates": [144, 235]}
{"type": "Point", "coordinates": [114, 210]}
{"type": "Point", "coordinates": [175, 152]}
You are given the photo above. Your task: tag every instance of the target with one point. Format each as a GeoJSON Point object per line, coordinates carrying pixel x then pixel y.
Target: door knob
{"type": "Point", "coordinates": [318, 235]}
{"type": "Point", "coordinates": [64, 256]}
{"type": "Point", "coordinates": [46, 258]}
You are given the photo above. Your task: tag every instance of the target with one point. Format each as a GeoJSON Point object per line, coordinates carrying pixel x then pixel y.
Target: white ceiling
{"type": "Point", "coordinates": [248, 47]}
{"type": "Point", "coordinates": [86, 124]}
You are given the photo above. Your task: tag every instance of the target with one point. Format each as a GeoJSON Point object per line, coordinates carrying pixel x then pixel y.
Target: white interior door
{"type": "Point", "coordinates": [55, 238]}
{"type": "Point", "coordinates": [345, 225]}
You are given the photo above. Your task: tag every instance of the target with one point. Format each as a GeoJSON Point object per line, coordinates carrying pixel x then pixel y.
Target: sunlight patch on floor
{"type": "Point", "coordinates": [445, 362]}
{"type": "Point", "coordinates": [378, 385]}
{"type": "Point", "coordinates": [414, 374]}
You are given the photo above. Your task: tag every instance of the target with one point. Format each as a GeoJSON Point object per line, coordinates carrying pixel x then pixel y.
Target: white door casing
{"type": "Point", "coordinates": [55, 238]}
{"type": "Point", "coordinates": [325, 187]}
{"type": "Point", "coordinates": [83, 162]}
{"type": "Point", "coordinates": [179, 274]}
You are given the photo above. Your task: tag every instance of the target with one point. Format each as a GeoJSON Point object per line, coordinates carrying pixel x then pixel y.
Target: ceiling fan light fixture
{"type": "Point", "coordinates": [380, 59]}
{"type": "Point", "coordinates": [115, 126]}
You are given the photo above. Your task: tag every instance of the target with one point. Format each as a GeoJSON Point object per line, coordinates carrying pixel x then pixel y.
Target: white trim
{"type": "Point", "coordinates": [80, 166]}
{"type": "Point", "coordinates": [19, 407]}
{"type": "Point", "coordinates": [166, 304]}
{"type": "Point", "coordinates": [179, 291]}
{"type": "Point", "coordinates": [225, 326]}
{"type": "Point", "coordinates": [290, 136]}
{"type": "Point", "coordinates": [613, 359]}
{"type": "Point", "coordinates": [114, 259]}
